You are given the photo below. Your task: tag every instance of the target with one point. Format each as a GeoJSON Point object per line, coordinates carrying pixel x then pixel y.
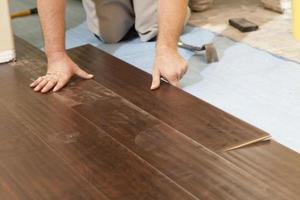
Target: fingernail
{"type": "Point", "coordinates": [91, 75]}
{"type": "Point", "coordinates": [153, 87]}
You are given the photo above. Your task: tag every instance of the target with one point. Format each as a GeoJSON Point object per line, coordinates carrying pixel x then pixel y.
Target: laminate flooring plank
{"type": "Point", "coordinates": [29, 169]}
{"type": "Point", "coordinates": [271, 163]}
{"type": "Point", "coordinates": [282, 175]}
{"type": "Point", "coordinates": [192, 166]}
{"type": "Point", "coordinates": [90, 98]}
{"type": "Point", "coordinates": [93, 154]}
{"type": "Point", "coordinates": [185, 161]}
{"type": "Point", "coordinates": [197, 119]}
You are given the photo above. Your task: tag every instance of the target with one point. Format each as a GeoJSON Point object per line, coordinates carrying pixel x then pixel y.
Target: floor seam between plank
{"type": "Point", "coordinates": [180, 133]}
{"type": "Point", "coordinates": [59, 155]}
{"type": "Point", "coordinates": [136, 155]}
{"type": "Point", "coordinates": [129, 150]}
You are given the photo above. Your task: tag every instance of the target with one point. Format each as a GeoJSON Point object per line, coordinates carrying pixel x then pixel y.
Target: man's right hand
{"type": "Point", "coordinates": [60, 69]}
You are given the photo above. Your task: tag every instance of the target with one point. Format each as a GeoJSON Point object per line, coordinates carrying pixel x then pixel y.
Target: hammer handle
{"type": "Point", "coordinates": [24, 13]}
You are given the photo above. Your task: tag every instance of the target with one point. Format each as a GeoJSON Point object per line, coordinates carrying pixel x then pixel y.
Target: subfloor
{"type": "Point", "coordinates": [274, 27]}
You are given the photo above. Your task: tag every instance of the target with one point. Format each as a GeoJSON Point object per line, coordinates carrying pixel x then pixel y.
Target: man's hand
{"type": "Point", "coordinates": [168, 65]}
{"type": "Point", "coordinates": [60, 69]}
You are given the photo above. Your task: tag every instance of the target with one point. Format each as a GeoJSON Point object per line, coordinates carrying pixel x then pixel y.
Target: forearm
{"type": "Point", "coordinates": [60, 67]}
{"type": "Point", "coordinates": [171, 17]}
{"type": "Point", "coordinates": [52, 17]}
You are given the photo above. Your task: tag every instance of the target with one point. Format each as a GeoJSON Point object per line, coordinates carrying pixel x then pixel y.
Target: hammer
{"type": "Point", "coordinates": [24, 13]}
{"type": "Point", "coordinates": [210, 51]}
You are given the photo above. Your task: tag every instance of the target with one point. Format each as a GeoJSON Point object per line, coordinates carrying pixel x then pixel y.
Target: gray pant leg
{"type": "Point", "coordinates": [146, 19]}
{"type": "Point", "coordinates": [109, 19]}
{"type": "Point", "coordinates": [200, 5]}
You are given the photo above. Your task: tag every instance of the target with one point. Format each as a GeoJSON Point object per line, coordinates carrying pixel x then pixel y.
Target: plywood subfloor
{"type": "Point", "coordinates": [275, 34]}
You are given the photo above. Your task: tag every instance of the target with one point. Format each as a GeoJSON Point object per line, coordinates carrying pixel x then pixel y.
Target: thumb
{"type": "Point", "coordinates": [155, 79]}
{"type": "Point", "coordinates": [175, 83]}
{"type": "Point", "coordinates": [83, 74]}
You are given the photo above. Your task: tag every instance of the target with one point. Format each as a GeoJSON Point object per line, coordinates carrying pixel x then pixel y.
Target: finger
{"type": "Point", "coordinates": [49, 86]}
{"type": "Point", "coordinates": [183, 73]}
{"type": "Point", "coordinates": [180, 75]}
{"type": "Point", "coordinates": [184, 70]}
{"type": "Point", "coordinates": [36, 82]}
{"type": "Point", "coordinates": [155, 80]}
{"type": "Point", "coordinates": [175, 83]}
{"type": "Point", "coordinates": [60, 84]}
{"type": "Point", "coordinates": [40, 85]}
{"type": "Point", "coordinates": [83, 74]}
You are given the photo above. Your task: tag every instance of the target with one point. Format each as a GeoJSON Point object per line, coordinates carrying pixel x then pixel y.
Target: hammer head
{"type": "Point", "coordinates": [211, 53]}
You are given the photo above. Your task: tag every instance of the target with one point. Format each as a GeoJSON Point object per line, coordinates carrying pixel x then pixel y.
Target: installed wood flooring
{"type": "Point", "coordinates": [112, 138]}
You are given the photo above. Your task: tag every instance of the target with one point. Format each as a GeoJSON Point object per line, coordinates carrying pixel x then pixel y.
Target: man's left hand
{"type": "Point", "coordinates": [170, 66]}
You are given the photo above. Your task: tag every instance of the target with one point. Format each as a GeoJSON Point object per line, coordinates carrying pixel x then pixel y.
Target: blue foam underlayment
{"type": "Point", "coordinates": [251, 84]}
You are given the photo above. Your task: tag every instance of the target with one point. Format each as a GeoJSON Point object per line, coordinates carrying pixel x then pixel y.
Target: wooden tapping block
{"type": "Point", "coordinates": [243, 25]}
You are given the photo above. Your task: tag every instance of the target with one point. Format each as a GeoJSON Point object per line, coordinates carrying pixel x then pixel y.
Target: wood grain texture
{"type": "Point", "coordinates": [103, 162]}
{"type": "Point", "coordinates": [271, 163]}
{"type": "Point", "coordinates": [185, 161]}
{"type": "Point", "coordinates": [188, 164]}
{"type": "Point", "coordinates": [197, 119]}
{"type": "Point", "coordinates": [30, 170]}
{"type": "Point", "coordinates": [261, 159]}
{"type": "Point", "coordinates": [126, 152]}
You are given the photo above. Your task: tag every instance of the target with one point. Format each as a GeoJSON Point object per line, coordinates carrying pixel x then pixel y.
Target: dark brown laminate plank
{"type": "Point", "coordinates": [282, 175]}
{"type": "Point", "coordinates": [271, 163]}
{"type": "Point", "coordinates": [261, 174]}
{"type": "Point", "coordinates": [31, 170]}
{"type": "Point", "coordinates": [103, 162]}
{"type": "Point", "coordinates": [191, 165]}
{"type": "Point", "coordinates": [197, 119]}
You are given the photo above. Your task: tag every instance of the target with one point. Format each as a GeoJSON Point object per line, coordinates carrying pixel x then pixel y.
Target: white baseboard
{"type": "Point", "coordinates": [6, 56]}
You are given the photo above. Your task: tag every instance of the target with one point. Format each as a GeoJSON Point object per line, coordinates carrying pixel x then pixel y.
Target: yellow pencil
{"type": "Point", "coordinates": [296, 18]}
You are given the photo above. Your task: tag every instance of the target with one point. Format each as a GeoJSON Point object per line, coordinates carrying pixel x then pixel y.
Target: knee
{"type": "Point", "coordinates": [114, 31]}
{"type": "Point", "coordinates": [200, 5]}
{"type": "Point", "coordinates": [110, 38]}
